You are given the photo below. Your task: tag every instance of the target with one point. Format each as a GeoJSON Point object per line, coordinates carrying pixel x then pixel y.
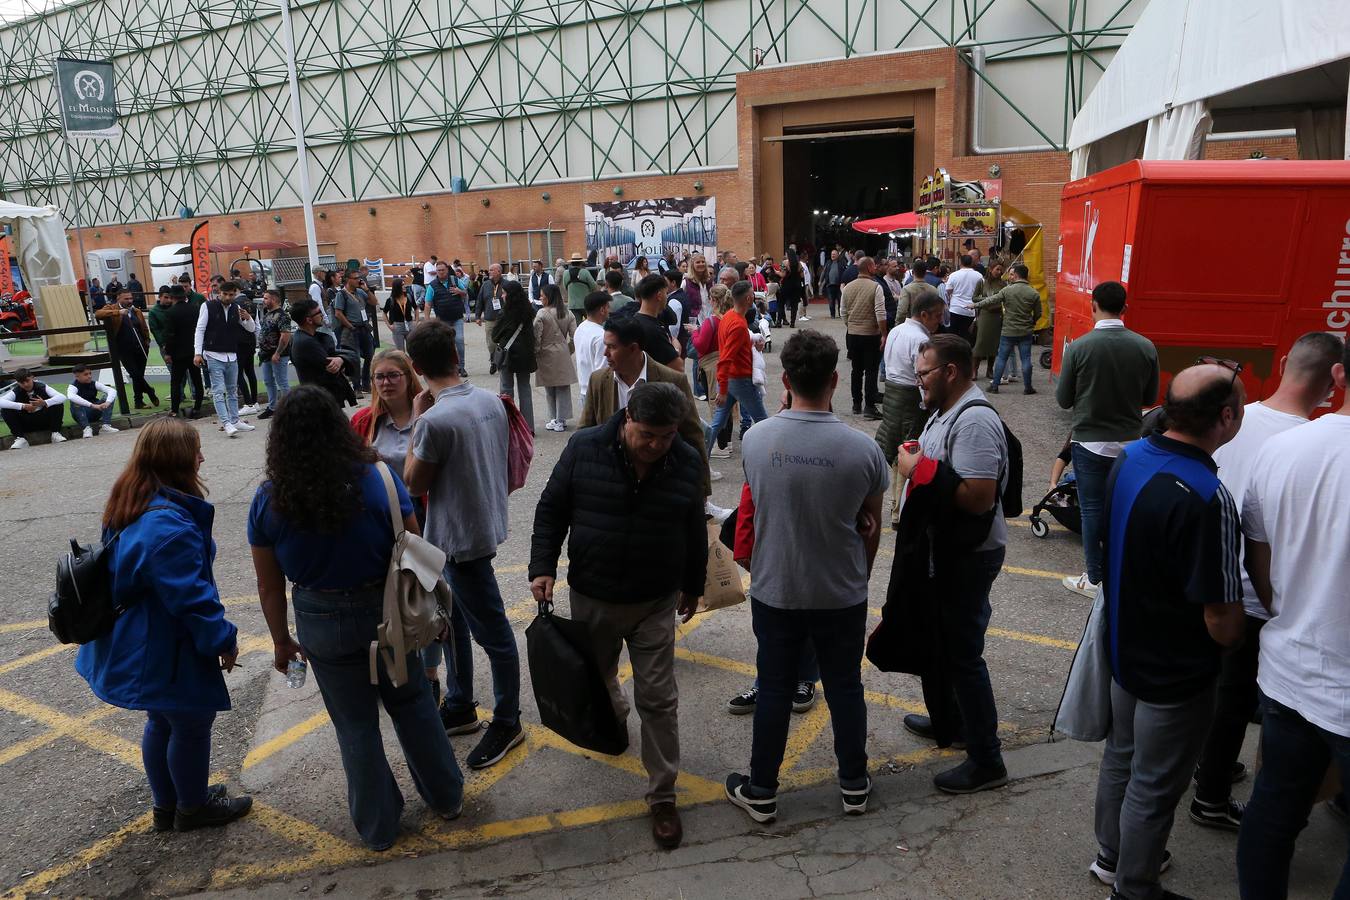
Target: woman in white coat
{"type": "Point", "coordinates": [553, 330]}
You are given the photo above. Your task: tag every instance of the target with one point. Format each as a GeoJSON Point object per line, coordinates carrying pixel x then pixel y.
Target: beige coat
{"type": "Point", "coordinates": [552, 340]}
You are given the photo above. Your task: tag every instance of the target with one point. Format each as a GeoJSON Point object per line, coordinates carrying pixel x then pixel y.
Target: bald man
{"type": "Point", "coordinates": [1173, 594]}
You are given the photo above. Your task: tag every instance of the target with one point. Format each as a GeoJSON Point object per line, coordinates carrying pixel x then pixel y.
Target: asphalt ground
{"type": "Point", "coordinates": [75, 808]}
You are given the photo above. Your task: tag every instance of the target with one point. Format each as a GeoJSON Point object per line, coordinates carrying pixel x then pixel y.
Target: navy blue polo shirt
{"type": "Point", "coordinates": [1170, 546]}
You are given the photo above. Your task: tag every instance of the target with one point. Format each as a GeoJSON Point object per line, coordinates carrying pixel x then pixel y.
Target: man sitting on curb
{"type": "Point", "coordinates": [85, 405]}
{"type": "Point", "coordinates": [31, 407]}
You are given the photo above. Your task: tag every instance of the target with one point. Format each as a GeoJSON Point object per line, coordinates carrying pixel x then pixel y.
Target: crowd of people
{"type": "Point", "coordinates": [1208, 529]}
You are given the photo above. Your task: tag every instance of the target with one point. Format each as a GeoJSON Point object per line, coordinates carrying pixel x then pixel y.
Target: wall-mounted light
{"type": "Point", "coordinates": [995, 171]}
{"type": "Point", "coordinates": [71, 237]}
{"type": "Point", "coordinates": [235, 223]}
{"type": "Point", "coordinates": [371, 210]}
{"type": "Point", "coordinates": [815, 212]}
{"type": "Point", "coordinates": [426, 205]}
{"type": "Point", "coordinates": [546, 196]}
{"type": "Point", "coordinates": [618, 190]}
{"type": "Point", "coordinates": [98, 234]}
{"type": "Point", "coordinates": [486, 201]}
{"type": "Point", "coordinates": [323, 215]}
{"type": "Point", "coordinates": [277, 219]}
{"type": "Point", "coordinates": [698, 185]}
{"type": "Point", "coordinates": [161, 229]}
{"type": "Point", "coordinates": [127, 232]}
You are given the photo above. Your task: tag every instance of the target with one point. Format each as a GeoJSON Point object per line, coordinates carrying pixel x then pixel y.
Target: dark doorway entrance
{"type": "Point", "coordinates": [836, 175]}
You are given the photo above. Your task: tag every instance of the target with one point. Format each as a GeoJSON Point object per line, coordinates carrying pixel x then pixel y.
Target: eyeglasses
{"type": "Point", "coordinates": [924, 373]}
{"type": "Point", "coordinates": [388, 376]}
{"type": "Point", "coordinates": [1231, 364]}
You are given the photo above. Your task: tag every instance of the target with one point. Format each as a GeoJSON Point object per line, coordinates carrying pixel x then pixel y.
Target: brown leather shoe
{"type": "Point", "coordinates": [666, 828]}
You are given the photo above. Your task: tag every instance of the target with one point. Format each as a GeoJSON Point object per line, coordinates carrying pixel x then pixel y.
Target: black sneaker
{"type": "Point", "coordinates": [164, 816]}
{"type": "Point", "coordinates": [265, 414]}
{"type": "Point", "coordinates": [744, 702]}
{"type": "Point", "coordinates": [857, 409]}
{"type": "Point", "coordinates": [1105, 872]}
{"type": "Point", "coordinates": [804, 697]}
{"type": "Point", "coordinates": [1029, 390]}
{"type": "Point", "coordinates": [761, 809]}
{"type": "Point", "coordinates": [460, 721]}
{"type": "Point", "coordinates": [1226, 814]}
{"type": "Point", "coordinates": [216, 811]}
{"type": "Point", "coordinates": [922, 726]}
{"type": "Point", "coordinates": [496, 743]}
{"type": "Point", "coordinates": [871, 413]}
{"type": "Point", "coordinates": [970, 778]}
{"type": "Point", "coordinates": [855, 799]}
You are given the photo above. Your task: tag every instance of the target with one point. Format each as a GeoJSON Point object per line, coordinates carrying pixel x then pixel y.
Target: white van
{"type": "Point", "coordinates": [167, 262]}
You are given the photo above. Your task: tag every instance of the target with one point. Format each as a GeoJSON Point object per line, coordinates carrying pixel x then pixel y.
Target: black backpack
{"type": "Point", "coordinates": [81, 609]}
{"type": "Point", "coordinates": [1011, 498]}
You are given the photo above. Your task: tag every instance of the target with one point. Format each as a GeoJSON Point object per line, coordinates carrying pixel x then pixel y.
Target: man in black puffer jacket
{"type": "Point", "coordinates": [631, 493]}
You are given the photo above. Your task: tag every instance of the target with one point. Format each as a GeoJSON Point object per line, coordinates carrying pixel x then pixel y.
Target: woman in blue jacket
{"type": "Point", "coordinates": [166, 652]}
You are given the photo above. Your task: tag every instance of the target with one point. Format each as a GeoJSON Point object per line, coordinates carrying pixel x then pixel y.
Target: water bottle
{"type": "Point", "coordinates": [295, 673]}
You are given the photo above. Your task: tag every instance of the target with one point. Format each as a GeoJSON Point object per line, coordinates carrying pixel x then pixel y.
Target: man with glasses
{"type": "Point", "coordinates": [965, 435]}
{"type": "Point", "coordinates": [1107, 377]}
{"type": "Point", "coordinates": [315, 355]}
{"type": "Point", "coordinates": [1173, 601]}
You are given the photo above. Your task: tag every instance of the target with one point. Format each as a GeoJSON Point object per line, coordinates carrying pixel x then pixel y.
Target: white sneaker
{"type": "Point", "coordinates": [720, 452]}
{"type": "Point", "coordinates": [714, 475]}
{"type": "Point", "coordinates": [248, 410]}
{"type": "Point", "coordinates": [1081, 585]}
{"type": "Point", "coordinates": [244, 426]}
{"type": "Point", "coordinates": [88, 431]}
{"type": "Point", "coordinates": [803, 318]}
{"type": "Point", "coordinates": [19, 444]}
{"type": "Point", "coordinates": [718, 513]}
{"type": "Point", "coordinates": [230, 430]}
{"type": "Point", "coordinates": [58, 437]}
{"type": "Point", "coordinates": [108, 429]}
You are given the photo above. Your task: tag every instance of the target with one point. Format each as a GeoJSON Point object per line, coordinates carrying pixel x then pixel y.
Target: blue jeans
{"type": "Point", "coordinates": [1005, 346]}
{"type": "Point", "coordinates": [225, 389]}
{"type": "Point", "coordinates": [965, 618]}
{"type": "Point", "coordinates": [742, 391]}
{"type": "Point", "coordinates": [807, 668]}
{"type": "Point", "coordinates": [838, 636]}
{"type": "Point", "coordinates": [479, 612]}
{"type": "Point", "coordinates": [85, 416]}
{"type": "Point", "coordinates": [458, 325]}
{"type": "Point", "coordinates": [1092, 471]}
{"type": "Point", "coordinates": [277, 377]}
{"type": "Point", "coordinates": [362, 340]}
{"type": "Point", "coordinates": [176, 751]}
{"type": "Point", "coordinates": [1294, 757]}
{"type": "Point", "coordinates": [335, 629]}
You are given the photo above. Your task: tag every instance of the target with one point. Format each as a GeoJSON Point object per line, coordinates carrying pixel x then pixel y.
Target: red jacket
{"type": "Point", "coordinates": [734, 359]}
{"type": "Point", "coordinates": [705, 339]}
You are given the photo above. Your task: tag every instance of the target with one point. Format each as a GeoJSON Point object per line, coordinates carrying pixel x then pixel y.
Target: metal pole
{"type": "Point", "coordinates": [79, 235]}
{"type": "Point", "coordinates": [298, 126]}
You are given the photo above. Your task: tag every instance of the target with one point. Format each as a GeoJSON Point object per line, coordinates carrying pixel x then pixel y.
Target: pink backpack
{"type": "Point", "coordinates": [520, 446]}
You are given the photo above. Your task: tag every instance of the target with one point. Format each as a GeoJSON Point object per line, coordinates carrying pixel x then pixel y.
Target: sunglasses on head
{"type": "Point", "coordinates": [1230, 364]}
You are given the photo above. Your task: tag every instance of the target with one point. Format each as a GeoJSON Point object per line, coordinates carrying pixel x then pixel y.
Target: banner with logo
{"type": "Point", "coordinates": [6, 276]}
{"type": "Point", "coordinates": [201, 257]}
{"type": "Point", "coordinates": [88, 98]}
{"type": "Point", "coordinates": [627, 229]}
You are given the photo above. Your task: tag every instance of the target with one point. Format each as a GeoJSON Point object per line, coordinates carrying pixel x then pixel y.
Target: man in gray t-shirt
{"type": "Point", "coordinates": [457, 457]}
{"type": "Point", "coordinates": [814, 483]}
{"type": "Point", "coordinates": [971, 442]}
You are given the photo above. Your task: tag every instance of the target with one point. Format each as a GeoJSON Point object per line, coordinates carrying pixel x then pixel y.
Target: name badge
{"type": "Point", "coordinates": [497, 303]}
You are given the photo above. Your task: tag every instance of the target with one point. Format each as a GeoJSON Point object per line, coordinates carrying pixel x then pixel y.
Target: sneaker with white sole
{"type": "Point", "coordinates": [58, 437]}
{"type": "Point", "coordinates": [230, 430]}
{"type": "Point", "coordinates": [744, 702]}
{"type": "Point", "coordinates": [855, 799]}
{"type": "Point", "coordinates": [719, 453]}
{"type": "Point", "coordinates": [1226, 814]}
{"type": "Point", "coordinates": [249, 410]}
{"type": "Point", "coordinates": [762, 809]}
{"type": "Point", "coordinates": [714, 475]}
{"type": "Point", "coordinates": [19, 444]}
{"type": "Point", "coordinates": [1081, 585]}
{"type": "Point", "coordinates": [244, 426]}
{"type": "Point", "coordinates": [719, 514]}
{"type": "Point", "coordinates": [88, 431]}
{"type": "Point", "coordinates": [1105, 872]}
{"type": "Point", "coordinates": [108, 429]}
{"type": "Point", "coordinates": [496, 743]}
{"type": "Point", "coordinates": [804, 697]}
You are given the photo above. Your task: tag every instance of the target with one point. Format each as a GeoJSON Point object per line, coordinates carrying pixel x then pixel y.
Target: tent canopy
{"type": "Point", "coordinates": [1243, 64]}
{"type": "Point", "coordinates": [40, 244]}
{"type": "Point", "coordinates": [886, 224]}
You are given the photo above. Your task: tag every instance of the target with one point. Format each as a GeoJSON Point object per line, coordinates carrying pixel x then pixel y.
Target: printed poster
{"type": "Point", "coordinates": [627, 229]}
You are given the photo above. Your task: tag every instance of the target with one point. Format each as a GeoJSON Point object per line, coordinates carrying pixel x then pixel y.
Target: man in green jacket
{"type": "Point", "coordinates": [1106, 377]}
{"type": "Point", "coordinates": [577, 281]}
{"type": "Point", "coordinates": [1021, 308]}
{"type": "Point", "coordinates": [160, 326]}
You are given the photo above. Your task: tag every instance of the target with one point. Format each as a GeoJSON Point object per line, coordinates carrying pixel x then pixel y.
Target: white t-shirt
{"type": "Point", "coordinates": [960, 288]}
{"type": "Point", "coordinates": [902, 349]}
{"type": "Point", "coordinates": [589, 342]}
{"type": "Point", "coordinates": [1260, 423]}
{"type": "Point", "coordinates": [1298, 492]}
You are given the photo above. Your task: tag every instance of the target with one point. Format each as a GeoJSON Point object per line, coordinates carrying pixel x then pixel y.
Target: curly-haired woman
{"type": "Point", "coordinates": [322, 521]}
{"type": "Point", "coordinates": [165, 654]}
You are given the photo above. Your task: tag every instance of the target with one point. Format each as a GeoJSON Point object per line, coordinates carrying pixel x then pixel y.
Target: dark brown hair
{"type": "Point", "coordinates": [165, 456]}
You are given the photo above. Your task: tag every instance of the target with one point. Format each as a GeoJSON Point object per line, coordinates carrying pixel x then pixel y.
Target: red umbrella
{"type": "Point", "coordinates": [899, 222]}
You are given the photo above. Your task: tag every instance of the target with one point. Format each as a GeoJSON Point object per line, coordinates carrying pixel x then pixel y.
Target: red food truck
{"type": "Point", "coordinates": [1235, 259]}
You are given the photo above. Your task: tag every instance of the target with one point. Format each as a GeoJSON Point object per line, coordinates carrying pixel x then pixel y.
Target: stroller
{"type": "Point", "coordinates": [1062, 503]}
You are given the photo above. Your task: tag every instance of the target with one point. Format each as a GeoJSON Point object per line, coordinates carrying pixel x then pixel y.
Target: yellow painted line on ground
{"type": "Point", "coordinates": [36, 656]}
{"type": "Point", "coordinates": [804, 733]}
{"type": "Point", "coordinates": [717, 662]}
{"type": "Point", "coordinates": [103, 741]}
{"type": "Point", "coordinates": [285, 739]}
{"type": "Point", "coordinates": [43, 880]}
{"type": "Point", "coordinates": [22, 748]}
{"type": "Point", "coordinates": [1036, 573]}
{"type": "Point", "coordinates": [23, 626]}
{"type": "Point", "coordinates": [1033, 638]}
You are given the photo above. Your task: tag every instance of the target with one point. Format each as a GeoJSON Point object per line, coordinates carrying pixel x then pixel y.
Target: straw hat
{"type": "Point", "coordinates": [578, 258]}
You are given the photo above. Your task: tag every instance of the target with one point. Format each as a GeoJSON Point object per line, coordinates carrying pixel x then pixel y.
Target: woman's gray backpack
{"type": "Point", "coordinates": [417, 601]}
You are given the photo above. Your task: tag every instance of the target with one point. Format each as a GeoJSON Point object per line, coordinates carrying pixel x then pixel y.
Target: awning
{"type": "Point", "coordinates": [900, 222]}
{"type": "Point", "coordinates": [254, 245]}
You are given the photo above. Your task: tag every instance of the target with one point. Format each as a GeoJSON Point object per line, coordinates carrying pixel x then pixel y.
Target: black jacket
{"type": "Point", "coordinates": [630, 541]}
{"type": "Point", "coordinates": [309, 355]}
{"type": "Point", "coordinates": [521, 357]}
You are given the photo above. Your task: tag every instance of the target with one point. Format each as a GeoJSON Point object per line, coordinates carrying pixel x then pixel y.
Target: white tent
{"type": "Point", "coordinates": [1189, 67]}
{"type": "Point", "coordinates": [40, 244]}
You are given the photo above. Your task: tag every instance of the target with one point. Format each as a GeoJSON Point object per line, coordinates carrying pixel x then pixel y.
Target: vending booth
{"type": "Point", "coordinates": [1235, 259]}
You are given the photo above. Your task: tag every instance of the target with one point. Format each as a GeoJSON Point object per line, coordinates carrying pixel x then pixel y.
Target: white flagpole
{"type": "Point", "coordinates": [298, 125]}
